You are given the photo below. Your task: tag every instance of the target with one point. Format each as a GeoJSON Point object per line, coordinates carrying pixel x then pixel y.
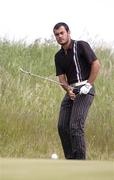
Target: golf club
{"type": "Point", "coordinates": [75, 90]}
{"type": "Point", "coordinates": [41, 77]}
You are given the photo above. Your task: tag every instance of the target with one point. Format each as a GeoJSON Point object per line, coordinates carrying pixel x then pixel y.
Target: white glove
{"type": "Point", "coordinates": [85, 89]}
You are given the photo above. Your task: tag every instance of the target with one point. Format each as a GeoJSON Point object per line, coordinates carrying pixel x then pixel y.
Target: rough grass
{"type": "Point", "coordinates": [29, 106]}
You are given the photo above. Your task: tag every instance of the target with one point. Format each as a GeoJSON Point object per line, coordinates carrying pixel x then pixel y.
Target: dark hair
{"type": "Point", "coordinates": [58, 25]}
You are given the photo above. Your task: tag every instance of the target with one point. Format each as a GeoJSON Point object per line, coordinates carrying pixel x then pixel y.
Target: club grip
{"type": "Point", "coordinates": [77, 91]}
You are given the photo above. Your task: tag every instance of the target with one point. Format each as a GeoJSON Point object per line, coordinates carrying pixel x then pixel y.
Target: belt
{"type": "Point", "coordinates": [78, 83]}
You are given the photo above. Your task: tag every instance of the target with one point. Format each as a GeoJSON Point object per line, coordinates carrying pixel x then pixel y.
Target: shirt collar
{"type": "Point", "coordinates": [70, 46]}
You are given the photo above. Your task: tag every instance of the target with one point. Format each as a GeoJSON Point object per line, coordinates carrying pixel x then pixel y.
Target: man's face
{"type": "Point", "coordinates": [62, 36]}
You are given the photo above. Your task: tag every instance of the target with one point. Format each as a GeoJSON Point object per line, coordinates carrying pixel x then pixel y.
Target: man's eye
{"type": "Point", "coordinates": [62, 33]}
{"type": "Point", "coordinates": [57, 34]}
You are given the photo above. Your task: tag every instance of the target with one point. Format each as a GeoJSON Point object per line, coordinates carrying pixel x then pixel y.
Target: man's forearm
{"type": "Point", "coordinates": [65, 86]}
{"type": "Point", "coordinates": [94, 71]}
{"type": "Point", "coordinates": [64, 83]}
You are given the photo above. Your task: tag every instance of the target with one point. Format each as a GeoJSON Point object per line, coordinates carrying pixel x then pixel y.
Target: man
{"type": "Point", "coordinates": [77, 68]}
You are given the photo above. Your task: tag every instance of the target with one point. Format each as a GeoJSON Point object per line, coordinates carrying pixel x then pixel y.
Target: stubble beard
{"type": "Point", "coordinates": [65, 43]}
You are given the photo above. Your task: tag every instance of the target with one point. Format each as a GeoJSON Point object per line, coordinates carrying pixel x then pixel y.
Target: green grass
{"type": "Point", "coordinates": [34, 169]}
{"type": "Point", "coordinates": [29, 107]}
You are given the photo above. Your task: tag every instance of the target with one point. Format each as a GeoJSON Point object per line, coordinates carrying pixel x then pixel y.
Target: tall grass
{"type": "Point", "coordinates": [29, 106]}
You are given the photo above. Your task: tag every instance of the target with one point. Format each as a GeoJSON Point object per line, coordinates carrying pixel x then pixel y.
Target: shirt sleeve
{"type": "Point", "coordinates": [88, 52]}
{"type": "Point", "coordinates": [58, 67]}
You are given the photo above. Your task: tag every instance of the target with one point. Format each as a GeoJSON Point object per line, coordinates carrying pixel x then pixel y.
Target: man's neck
{"type": "Point", "coordinates": [67, 45]}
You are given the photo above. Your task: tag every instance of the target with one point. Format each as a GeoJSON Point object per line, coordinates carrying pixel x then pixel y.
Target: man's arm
{"type": "Point", "coordinates": [66, 87]}
{"type": "Point", "coordinates": [62, 80]}
{"type": "Point", "coordinates": [95, 66]}
{"type": "Point", "coordinates": [94, 71]}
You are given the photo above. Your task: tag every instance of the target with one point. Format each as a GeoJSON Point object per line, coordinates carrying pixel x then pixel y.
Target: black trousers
{"type": "Point", "coordinates": [71, 125]}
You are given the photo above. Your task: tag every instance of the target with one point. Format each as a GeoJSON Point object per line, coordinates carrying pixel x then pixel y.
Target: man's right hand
{"type": "Point", "coordinates": [71, 93]}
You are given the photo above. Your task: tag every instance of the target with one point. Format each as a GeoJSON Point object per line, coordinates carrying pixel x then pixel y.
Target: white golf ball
{"type": "Point", "coordinates": [54, 156]}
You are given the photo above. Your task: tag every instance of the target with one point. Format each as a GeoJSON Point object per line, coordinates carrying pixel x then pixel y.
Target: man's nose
{"type": "Point", "coordinates": [60, 35]}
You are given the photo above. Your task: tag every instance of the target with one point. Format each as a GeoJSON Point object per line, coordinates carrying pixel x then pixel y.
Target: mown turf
{"type": "Point", "coordinates": [41, 169]}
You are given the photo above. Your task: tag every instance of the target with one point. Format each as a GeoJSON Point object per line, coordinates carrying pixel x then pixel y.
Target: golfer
{"type": "Point", "coordinates": [77, 68]}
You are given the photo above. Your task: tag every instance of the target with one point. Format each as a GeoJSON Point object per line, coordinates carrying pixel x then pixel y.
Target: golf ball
{"type": "Point", "coordinates": [54, 156]}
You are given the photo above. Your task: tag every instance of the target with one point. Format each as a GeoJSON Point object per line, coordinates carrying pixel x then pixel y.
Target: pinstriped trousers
{"type": "Point", "coordinates": [71, 123]}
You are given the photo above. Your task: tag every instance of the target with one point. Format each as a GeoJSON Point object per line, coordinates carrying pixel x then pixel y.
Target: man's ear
{"type": "Point", "coordinates": [69, 33]}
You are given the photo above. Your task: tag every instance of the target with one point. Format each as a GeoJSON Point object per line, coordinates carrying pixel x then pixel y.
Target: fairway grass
{"type": "Point", "coordinates": [42, 169]}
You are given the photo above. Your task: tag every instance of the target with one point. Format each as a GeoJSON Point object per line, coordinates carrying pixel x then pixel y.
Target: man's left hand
{"type": "Point", "coordinates": [85, 89]}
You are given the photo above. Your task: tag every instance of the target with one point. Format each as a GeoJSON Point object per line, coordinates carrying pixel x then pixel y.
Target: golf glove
{"type": "Point", "coordinates": [85, 89]}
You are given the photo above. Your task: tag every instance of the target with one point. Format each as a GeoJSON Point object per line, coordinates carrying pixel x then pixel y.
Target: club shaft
{"type": "Point", "coordinates": [41, 77]}
{"type": "Point", "coordinates": [48, 79]}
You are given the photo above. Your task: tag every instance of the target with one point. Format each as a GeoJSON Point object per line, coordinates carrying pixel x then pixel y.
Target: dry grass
{"type": "Point", "coordinates": [29, 106]}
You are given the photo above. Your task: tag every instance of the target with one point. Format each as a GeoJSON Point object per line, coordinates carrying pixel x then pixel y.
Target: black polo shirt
{"type": "Point", "coordinates": [76, 63]}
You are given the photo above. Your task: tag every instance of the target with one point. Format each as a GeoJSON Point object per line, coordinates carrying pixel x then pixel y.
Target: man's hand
{"type": "Point", "coordinates": [71, 93]}
{"type": "Point", "coordinates": [85, 89]}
